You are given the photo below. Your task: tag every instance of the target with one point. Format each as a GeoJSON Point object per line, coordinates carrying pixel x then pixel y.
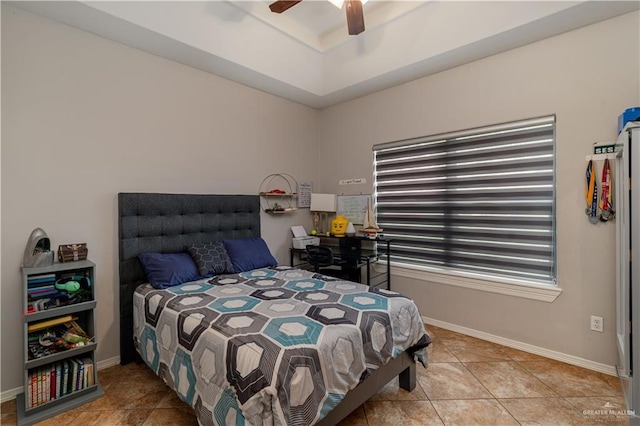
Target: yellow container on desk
{"type": "Point", "coordinates": [339, 226]}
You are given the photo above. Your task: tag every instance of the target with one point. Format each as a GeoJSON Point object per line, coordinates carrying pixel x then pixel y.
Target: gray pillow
{"type": "Point", "coordinates": [211, 258]}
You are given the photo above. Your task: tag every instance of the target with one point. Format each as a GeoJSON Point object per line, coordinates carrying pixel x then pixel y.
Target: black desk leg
{"type": "Point", "coordinates": [368, 272]}
{"type": "Point", "coordinates": [388, 266]}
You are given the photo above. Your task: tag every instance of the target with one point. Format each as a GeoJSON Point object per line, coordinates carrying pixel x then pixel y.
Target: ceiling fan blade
{"type": "Point", "coordinates": [282, 5]}
{"type": "Point", "coordinates": [355, 16]}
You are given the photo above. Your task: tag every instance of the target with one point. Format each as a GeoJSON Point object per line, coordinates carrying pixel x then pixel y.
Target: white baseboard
{"type": "Point", "coordinates": [106, 363]}
{"type": "Point", "coordinates": [526, 347]}
{"type": "Point", "coordinates": [12, 393]}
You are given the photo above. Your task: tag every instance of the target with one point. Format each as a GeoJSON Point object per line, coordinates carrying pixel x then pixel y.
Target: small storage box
{"type": "Point", "coordinates": [72, 252]}
{"type": "Point", "coordinates": [629, 114]}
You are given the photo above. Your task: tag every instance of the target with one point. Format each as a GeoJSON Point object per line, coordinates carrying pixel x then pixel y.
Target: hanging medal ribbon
{"type": "Point", "coordinates": [591, 194]}
{"type": "Point", "coordinates": [606, 200]}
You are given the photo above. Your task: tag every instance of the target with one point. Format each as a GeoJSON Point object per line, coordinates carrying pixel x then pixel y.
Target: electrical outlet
{"type": "Point", "coordinates": [597, 324]}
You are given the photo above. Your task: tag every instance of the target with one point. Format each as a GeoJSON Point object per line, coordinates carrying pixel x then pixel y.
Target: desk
{"type": "Point", "coordinates": [350, 249]}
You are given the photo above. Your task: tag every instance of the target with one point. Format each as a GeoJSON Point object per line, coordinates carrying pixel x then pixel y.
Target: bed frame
{"type": "Point", "coordinates": [169, 223]}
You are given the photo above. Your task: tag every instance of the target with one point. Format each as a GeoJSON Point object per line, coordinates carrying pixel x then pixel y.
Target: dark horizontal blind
{"type": "Point", "coordinates": [478, 201]}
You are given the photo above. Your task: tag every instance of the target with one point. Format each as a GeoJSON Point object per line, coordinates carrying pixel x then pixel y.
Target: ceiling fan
{"type": "Point", "coordinates": [355, 17]}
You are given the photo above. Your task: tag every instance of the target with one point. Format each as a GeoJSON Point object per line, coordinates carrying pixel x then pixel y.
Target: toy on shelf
{"type": "Point", "coordinates": [339, 226]}
{"type": "Point", "coordinates": [370, 226]}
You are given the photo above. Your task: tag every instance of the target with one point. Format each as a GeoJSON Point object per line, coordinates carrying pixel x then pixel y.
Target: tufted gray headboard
{"type": "Point", "coordinates": [166, 223]}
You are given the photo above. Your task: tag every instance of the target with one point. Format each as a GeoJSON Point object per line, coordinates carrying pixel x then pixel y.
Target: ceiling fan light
{"type": "Point", "coordinates": [337, 3]}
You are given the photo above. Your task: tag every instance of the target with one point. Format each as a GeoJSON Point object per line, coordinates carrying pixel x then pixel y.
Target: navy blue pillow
{"type": "Point", "coordinates": [248, 254]}
{"type": "Point", "coordinates": [168, 269]}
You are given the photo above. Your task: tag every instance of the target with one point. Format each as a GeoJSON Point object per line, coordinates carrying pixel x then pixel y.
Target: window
{"type": "Point", "coordinates": [479, 201]}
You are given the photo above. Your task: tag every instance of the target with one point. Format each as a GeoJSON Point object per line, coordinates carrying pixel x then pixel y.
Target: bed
{"type": "Point", "coordinates": [272, 345]}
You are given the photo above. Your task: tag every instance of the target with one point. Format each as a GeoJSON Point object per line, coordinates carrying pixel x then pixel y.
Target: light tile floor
{"type": "Point", "coordinates": [468, 382]}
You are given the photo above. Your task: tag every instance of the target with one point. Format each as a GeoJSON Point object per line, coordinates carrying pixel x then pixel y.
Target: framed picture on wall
{"type": "Point", "coordinates": [304, 194]}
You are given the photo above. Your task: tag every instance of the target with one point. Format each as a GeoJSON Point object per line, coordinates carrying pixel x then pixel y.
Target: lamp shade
{"type": "Point", "coordinates": [323, 203]}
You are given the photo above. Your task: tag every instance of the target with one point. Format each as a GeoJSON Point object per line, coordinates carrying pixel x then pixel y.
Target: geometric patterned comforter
{"type": "Point", "coordinates": [271, 346]}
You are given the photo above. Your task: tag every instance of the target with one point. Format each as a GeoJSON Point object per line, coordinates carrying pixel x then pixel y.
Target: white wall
{"type": "Point", "coordinates": [84, 118]}
{"type": "Point", "coordinates": [587, 78]}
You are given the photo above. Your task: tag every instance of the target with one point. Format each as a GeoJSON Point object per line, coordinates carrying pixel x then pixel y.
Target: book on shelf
{"type": "Point", "coordinates": [39, 284]}
{"type": "Point", "coordinates": [39, 290]}
{"type": "Point", "coordinates": [36, 279]}
{"type": "Point", "coordinates": [32, 386]}
{"type": "Point", "coordinates": [52, 385]}
{"type": "Point", "coordinates": [88, 372]}
{"type": "Point", "coordinates": [50, 382]}
{"type": "Point", "coordinates": [42, 293]}
{"type": "Point", "coordinates": [47, 384]}
{"type": "Point", "coordinates": [42, 384]}
{"type": "Point", "coordinates": [39, 375]}
{"type": "Point", "coordinates": [58, 379]}
{"type": "Point", "coordinates": [36, 388]}
{"type": "Point", "coordinates": [65, 377]}
{"type": "Point", "coordinates": [30, 393]}
{"type": "Point", "coordinates": [42, 276]}
{"type": "Point", "coordinates": [74, 375]}
{"type": "Point", "coordinates": [41, 381]}
{"type": "Point", "coordinates": [80, 376]}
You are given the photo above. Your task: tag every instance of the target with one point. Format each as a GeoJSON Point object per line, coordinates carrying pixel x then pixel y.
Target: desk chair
{"type": "Point", "coordinates": [321, 258]}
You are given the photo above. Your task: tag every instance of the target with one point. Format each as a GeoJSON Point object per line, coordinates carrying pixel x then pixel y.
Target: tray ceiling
{"type": "Point", "coordinates": [306, 55]}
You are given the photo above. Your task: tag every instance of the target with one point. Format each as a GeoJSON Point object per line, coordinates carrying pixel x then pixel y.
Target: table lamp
{"type": "Point", "coordinates": [321, 205]}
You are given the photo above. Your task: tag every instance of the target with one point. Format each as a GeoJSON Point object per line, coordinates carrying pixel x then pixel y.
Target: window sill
{"type": "Point", "coordinates": [526, 290]}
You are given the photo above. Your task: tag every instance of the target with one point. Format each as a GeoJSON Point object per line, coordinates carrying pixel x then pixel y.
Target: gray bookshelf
{"type": "Point", "coordinates": [30, 412]}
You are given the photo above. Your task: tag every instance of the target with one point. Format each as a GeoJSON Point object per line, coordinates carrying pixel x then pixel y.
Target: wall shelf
{"type": "Point", "coordinates": [278, 194]}
{"type": "Point", "coordinates": [271, 194]}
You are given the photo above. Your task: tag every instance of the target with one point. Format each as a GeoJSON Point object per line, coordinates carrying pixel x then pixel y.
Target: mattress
{"type": "Point", "coordinates": [271, 346]}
